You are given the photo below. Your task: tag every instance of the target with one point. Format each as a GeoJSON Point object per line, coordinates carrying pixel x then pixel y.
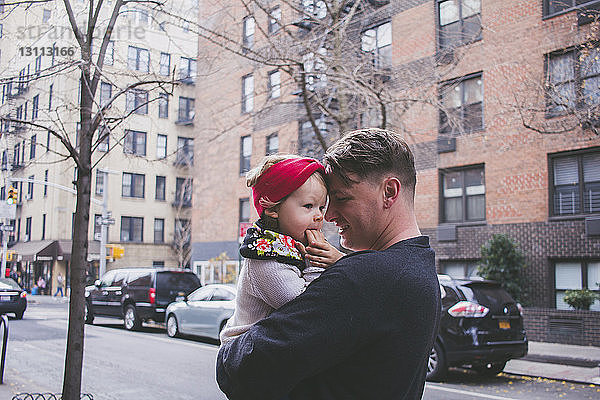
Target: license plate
{"type": "Point", "coordinates": [504, 324]}
{"type": "Point", "coordinates": [4, 298]}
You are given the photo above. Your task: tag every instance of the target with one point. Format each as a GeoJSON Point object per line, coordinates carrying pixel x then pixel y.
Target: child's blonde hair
{"type": "Point", "coordinates": [254, 175]}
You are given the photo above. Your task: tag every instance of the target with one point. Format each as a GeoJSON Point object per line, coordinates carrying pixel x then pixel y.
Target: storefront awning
{"type": "Point", "coordinates": [65, 247]}
{"type": "Point", "coordinates": [36, 250]}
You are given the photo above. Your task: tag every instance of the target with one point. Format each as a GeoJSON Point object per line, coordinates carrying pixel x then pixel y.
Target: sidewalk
{"type": "Point", "coordinates": [559, 361]}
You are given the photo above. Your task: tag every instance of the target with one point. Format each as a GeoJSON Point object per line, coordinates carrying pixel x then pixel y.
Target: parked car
{"type": "Point", "coordinates": [481, 328]}
{"type": "Point", "coordinates": [137, 294]}
{"type": "Point", "coordinates": [203, 313]}
{"type": "Point", "coordinates": [13, 299]}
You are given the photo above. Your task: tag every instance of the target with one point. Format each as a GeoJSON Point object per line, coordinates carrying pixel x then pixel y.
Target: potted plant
{"type": "Point", "coordinates": [580, 299]}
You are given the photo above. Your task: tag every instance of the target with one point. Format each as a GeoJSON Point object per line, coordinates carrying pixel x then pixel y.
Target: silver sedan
{"type": "Point", "coordinates": [203, 312]}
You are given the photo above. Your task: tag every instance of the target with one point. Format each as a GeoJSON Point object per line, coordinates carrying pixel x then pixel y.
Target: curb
{"type": "Point", "coordinates": [562, 360]}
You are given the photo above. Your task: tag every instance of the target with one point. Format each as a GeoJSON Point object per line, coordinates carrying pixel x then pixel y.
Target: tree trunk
{"type": "Point", "coordinates": [75, 338]}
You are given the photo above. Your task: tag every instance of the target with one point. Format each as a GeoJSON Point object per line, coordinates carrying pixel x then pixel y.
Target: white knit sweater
{"type": "Point", "coordinates": [263, 286]}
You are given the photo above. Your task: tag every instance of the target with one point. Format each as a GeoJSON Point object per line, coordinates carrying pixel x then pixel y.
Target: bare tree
{"type": "Point", "coordinates": [92, 30]}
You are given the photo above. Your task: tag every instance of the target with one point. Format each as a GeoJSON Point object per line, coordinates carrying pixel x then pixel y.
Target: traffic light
{"type": "Point", "coordinates": [114, 251]}
{"type": "Point", "coordinates": [11, 198]}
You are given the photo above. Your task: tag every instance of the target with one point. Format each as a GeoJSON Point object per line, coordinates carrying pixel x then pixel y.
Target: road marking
{"type": "Point", "coordinates": [475, 394]}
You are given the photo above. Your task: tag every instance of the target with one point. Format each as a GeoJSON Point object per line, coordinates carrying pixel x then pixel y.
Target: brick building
{"type": "Point", "coordinates": [507, 141]}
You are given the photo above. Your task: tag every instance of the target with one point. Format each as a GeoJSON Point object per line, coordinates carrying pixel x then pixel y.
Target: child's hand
{"type": "Point", "coordinates": [319, 252]}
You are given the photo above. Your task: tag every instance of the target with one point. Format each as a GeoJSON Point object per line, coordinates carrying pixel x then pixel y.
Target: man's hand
{"type": "Point", "coordinates": [319, 252]}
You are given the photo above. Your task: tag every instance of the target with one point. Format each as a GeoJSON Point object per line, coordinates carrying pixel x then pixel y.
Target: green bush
{"type": "Point", "coordinates": [580, 299]}
{"type": "Point", "coordinates": [502, 261]}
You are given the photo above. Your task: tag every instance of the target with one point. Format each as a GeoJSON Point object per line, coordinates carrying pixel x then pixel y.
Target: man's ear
{"type": "Point", "coordinates": [391, 191]}
{"type": "Point", "coordinates": [271, 212]}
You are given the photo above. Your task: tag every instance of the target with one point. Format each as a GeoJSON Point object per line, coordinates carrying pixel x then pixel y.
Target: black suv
{"type": "Point", "coordinates": [137, 294]}
{"type": "Point", "coordinates": [481, 328]}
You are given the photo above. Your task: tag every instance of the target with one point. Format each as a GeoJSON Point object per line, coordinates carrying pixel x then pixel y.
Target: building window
{"type": "Point", "coordinates": [165, 64]}
{"type": "Point", "coordinates": [573, 80]}
{"type": "Point", "coordinates": [274, 20]}
{"type": "Point", "coordinates": [272, 144]}
{"type": "Point", "coordinates": [35, 106]}
{"type": "Point", "coordinates": [50, 97]}
{"type": "Point", "coordinates": [137, 101]}
{"type": "Point", "coordinates": [186, 110]}
{"type": "Point", "coordinates": [159, 230]}
{"type": "Point", "coordinates": [49, 134]}
{"type": "Point", "coordinates": [248, 33]}
{"type": "Point", "coordinates": [32, 145]}
{"type": "Point", "coordinates": [573, 275]}
{"type": "Point", "coordinates": [103, 139]}
{"type": "Point", "coordinates": [314, 67]}
{"type": "Point", "coordinates": [38, 65]}
{"type": "Point", "coordinates": [46, 15]}
{"type": "Point", "coordinates": [247, 93]}
{"type": "Point", "coordinates": [109, 55]}
{"type": "Point", "coordinates": [183, 232]}
{"type": "Point", "coordinates": [28, 229]}
{"type": "Point", "coordinates": [133, 185]}
{"type": "Point", "coordinates": [187, 70]}
{"type": "Point", "coordinates": [274, 84]}
{"type": "Point", "coordinates": [460, 269]}
{"type": "Point", "coordinates": [161, 146]}
{"type": "Point", "coordinates": [244, 210]}
{"type": "Point", "coordinates": [576, 183]}
{"type": "Point", "coordinates": [138, 59]}
{"type": "Point", "coordinates": [106, 93]}
{"type": "Point", "coordinates": [463, 195]}
{"type": "Point", "coordinates": [17, 155]}
{"type": "Point", "coordinates": [462, 105]}
{"type": "Point", "coordinates": [185, 151]}
{"type": "Point", "coordinates": [245, 153]}
{"type": "Point", "coordinates": [30, 187]}
{"type": "Point", "coordinates": [135, 143]}
{"type": "Point", "coordinates": [43, 226]}
{"type": "Point", "coordinates": [377, 42]}
{"type": "Point", "coordinates": [459, 22]}
{"type": "Point", "coordinates": [183, 192]}
{"type": "Point", "coordinates": [160, 188]}
{"type": "Point", "coordinates": [45, 180]}
{"type": "Point", "coordinates": [99, 183]}
{"type": "Point", "coordinates": [132, 229]}
{"type": "Point", "coordinates": [552, 7]}
{"type": "Point", "coordinates": [163, 105]}
{"type": "Point", "coordinates": [308, 144]}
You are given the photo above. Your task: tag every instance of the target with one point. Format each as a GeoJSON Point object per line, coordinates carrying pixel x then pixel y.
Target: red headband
{"type": "Point", "coordinates": [282, 178]}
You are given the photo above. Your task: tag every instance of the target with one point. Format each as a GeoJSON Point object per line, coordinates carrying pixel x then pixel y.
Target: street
{"type": "Point", "coordinates": [149, 365]}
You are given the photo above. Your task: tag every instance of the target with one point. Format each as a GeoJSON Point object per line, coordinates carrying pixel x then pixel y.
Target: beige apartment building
{"type": "Point", "coordinates": [147, 157]}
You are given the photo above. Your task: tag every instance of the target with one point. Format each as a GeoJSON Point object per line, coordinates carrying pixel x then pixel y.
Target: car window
{"type": "Point", "coordinates": [140, 278]}
{"type": "Point", "coordinates": [201, 294]}
{"type": "Point", "coordinates": [120, 276]}
{"type": "Point", "coordinates": [489, 295]}
{"type": "Point", "coordinates": [222, 295]}
{"type": "Point", "coordinates": [7, 283]}
{"type": "Point", "coordinates": [449, 296]}
{"type": "Point", "coordinates": [181, 281]}
{"type": "Point", "coordinates": [108, 278]}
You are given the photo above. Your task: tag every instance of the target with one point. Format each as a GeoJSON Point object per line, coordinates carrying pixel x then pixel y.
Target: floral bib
{"type": "Point", "coordinates": [264, 244]}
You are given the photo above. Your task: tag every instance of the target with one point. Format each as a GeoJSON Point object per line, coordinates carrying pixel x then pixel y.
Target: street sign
{"type": "Point", "coordinates": [8, 211]}
{"type": "Point", "coordinates": [7, 228]}
{"type": "Point", "coordinates": [108, 221]}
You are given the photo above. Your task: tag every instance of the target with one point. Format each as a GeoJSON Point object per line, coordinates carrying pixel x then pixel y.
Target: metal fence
{"type": "Point", "coordinates": [47, 396]}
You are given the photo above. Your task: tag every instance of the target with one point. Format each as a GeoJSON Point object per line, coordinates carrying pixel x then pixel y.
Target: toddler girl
{"type": "Point", "coordinates": [290, 196]}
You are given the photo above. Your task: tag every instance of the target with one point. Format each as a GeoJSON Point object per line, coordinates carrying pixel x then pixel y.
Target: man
{"type": "Point", "coordinates": [364, 329]}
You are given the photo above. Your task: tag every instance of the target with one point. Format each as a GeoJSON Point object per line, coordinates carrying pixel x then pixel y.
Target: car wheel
{"type": "Point", "coordinates": [172, 327]}
{"type": "Point", "coordinates": [89, 315]}
{"type": "Point", "coordinates": [491, 369]}
{"type": "Point", "coordinates": [436, 365]}
{"type": "Point", "coordinates": [19, 314]}
{"type": "Point", "coordinates": [131, 320]}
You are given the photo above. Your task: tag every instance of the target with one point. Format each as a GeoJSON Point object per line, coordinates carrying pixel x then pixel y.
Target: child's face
{"type": "Point", "coordinates": [302, 210]}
